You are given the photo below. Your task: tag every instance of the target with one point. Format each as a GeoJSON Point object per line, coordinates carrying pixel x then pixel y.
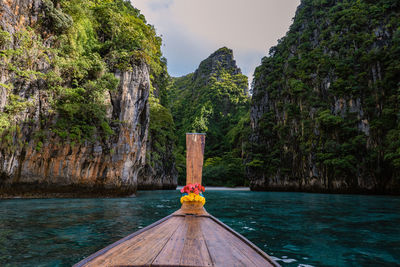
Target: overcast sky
{"type": "Point", "coordinates": [192, 29]}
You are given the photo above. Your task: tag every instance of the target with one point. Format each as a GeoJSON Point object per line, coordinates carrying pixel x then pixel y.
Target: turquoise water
{"type": "Point", "coordinates": [298, 229]}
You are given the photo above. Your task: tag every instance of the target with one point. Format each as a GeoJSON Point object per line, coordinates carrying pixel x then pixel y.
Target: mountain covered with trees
{"type": "Point", "coordinates": [79, 83]}
{"type": "Point", "coordinates": [213, 100]}
{"type": "Point", "coordinates": [87, 105]}
{"type": "Point", "coordinates": [325, 107]}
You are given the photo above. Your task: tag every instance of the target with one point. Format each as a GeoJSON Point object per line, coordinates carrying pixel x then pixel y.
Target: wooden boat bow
{"type": "Point", "coordinates": [188, 237]}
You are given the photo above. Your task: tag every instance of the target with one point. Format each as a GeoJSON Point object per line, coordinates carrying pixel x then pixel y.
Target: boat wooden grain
{"type": "Point", "coordinates": [188, 237]}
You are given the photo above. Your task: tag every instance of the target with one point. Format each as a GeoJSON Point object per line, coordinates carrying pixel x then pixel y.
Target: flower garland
{"type": "Point", "coordinates": [193, 193]}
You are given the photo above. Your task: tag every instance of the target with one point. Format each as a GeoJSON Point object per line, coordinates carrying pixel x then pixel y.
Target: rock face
{"type": "Point", "coordinates": [55, 166]}
{"type": "Point", "coordinates": [222, 59]}
{"type": "Point", "coordinates": [15, 15]}
{"type": "Point", "coordinates": [160, 171]}
{"type": "Point", "coordinates": [324, 116]}
{"type": "Point", "coordinates": [162, 174]}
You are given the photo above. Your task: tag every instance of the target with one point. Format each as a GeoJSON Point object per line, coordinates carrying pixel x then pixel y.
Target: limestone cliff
{"type": "Point", "coordinates": [111, 167]}
{"type": "Point", "coordinates": [325, 110]}
{"type": "Point", "coordinates": [34, 157]}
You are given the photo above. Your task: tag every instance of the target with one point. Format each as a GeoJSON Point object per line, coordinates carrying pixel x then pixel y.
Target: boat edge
{"type": "Point", "coordinates": [104, 250]}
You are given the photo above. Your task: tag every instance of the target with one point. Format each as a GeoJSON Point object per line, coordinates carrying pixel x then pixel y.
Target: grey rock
{"type": "Point", "coordinates": [54, 165]}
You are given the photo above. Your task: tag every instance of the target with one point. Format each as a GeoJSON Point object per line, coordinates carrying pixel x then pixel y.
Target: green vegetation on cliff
{"type": "Point", "coordinates": [213, 100]}
{"type": "Point", "coordinates": [67, 63]}
{"type": "Point", "coordinates": [325, 109]}
{"type": "Point", "coordinates": [82, 43]}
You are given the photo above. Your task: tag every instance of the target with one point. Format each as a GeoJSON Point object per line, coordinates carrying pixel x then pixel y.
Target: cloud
{"type": "Point", "coordinates": [159, 4]}
{"type": "Point", "coordinates": [193, 29]}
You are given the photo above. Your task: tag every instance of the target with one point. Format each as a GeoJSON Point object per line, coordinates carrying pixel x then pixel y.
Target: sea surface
{"type": "Point", "coordinates": [297, 229]}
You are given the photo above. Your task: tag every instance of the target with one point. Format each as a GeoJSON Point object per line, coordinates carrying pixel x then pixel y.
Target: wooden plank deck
{"type": "Point", "coordinates": [182, 240]}
{"type": "Point", "coordinates": [188, 237]}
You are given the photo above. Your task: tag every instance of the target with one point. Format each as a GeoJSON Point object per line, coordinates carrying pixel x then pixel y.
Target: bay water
{"type": "Point", "coordinates": [297, 229]}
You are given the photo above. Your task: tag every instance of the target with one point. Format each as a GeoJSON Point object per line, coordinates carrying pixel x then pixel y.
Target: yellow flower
{"type": "Point", "coordinates": [193, 197]}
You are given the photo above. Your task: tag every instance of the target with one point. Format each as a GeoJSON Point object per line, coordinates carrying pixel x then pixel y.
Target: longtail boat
{"type": "Point", "coordinates": [188, 237]}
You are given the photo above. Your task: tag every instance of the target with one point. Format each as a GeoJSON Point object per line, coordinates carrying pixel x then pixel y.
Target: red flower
{"type": "Point", "coordinates": [193, 188]}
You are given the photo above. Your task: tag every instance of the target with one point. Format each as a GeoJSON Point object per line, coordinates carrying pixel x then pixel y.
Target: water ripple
{"type": "Point", "coordinates": [297, 229]}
